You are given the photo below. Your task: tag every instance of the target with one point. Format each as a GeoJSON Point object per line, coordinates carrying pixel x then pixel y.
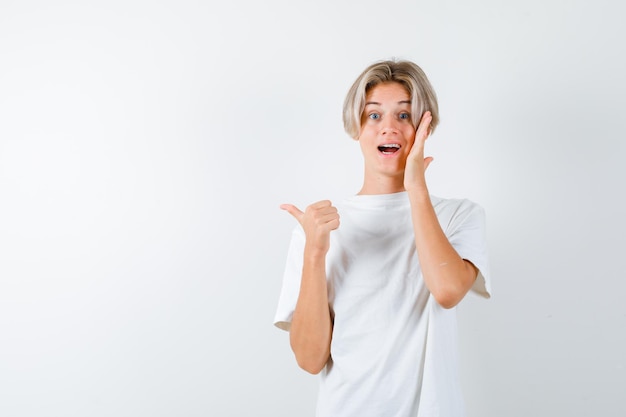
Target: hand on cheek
{"type": "Point", "coordinates": [416, 163]}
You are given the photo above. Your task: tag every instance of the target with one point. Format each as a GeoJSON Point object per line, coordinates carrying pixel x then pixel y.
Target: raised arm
{"type": "Point", "coordinates": [446, 274]}
{"type": "Point", "coordinates": [311, 326]}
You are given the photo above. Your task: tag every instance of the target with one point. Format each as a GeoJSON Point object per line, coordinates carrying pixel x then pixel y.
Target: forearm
{"type": "Point", "coordinates": [311, 326]}
{"type": "Point", "coordinates": [447, 276]}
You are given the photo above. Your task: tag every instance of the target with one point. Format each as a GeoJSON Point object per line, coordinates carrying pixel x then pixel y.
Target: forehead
{"type": "Point", "coordinates": [389, 91]}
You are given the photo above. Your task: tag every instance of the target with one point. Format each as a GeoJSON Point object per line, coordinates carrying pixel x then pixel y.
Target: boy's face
{"type": "Point", "coordinates": [387, 131]}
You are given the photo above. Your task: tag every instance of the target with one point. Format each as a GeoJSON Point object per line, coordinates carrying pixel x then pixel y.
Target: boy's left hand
{"type": "Point", "coordinates": [416, 164]}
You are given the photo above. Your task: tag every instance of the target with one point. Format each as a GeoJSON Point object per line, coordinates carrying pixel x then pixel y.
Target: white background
{"type": "Point", "coordinates": [145, 147]}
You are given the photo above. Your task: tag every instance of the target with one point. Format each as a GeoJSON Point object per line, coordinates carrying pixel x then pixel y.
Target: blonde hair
{"type": "Point", "coordinates": [407, 74]}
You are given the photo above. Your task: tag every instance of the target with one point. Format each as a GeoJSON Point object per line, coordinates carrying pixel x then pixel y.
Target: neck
{"type": "Point", "coordinates": [380, 184]}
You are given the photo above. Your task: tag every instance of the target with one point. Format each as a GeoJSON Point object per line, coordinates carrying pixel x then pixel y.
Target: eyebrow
{"type": "Point", "coordinates": [378, 104]}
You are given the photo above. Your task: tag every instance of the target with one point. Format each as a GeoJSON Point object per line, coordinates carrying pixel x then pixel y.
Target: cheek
{"type": "Point", "coordinates": [362, 143]}
{"type": "Point", "coordinates": [410, 137]}
{"type": "Point", "coordinates": [366, 135]}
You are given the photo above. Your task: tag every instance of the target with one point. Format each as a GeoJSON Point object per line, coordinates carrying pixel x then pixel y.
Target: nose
{"type": "Point", "coordinates": [388, 127]}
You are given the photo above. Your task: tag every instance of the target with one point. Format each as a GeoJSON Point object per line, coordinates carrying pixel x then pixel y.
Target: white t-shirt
{"type": "Point", "coordinates": [394, 348]}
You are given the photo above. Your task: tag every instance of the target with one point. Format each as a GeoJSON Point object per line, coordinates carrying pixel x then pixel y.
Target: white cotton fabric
{"type": "Point", "coordinates": [394, 348]}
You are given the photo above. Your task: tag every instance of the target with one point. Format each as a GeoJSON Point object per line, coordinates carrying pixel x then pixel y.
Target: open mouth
{"type": "Point", "coordinates": [389, 148]}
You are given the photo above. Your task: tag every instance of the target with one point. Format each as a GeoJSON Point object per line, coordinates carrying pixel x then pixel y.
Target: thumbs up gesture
{"type": "Point", "coordinates": [317, 220]}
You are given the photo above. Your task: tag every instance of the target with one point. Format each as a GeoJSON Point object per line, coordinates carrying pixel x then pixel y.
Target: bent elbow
{"type": "Point", "coordinates": [312, 367]}
{"type": "Point", "coordinates": [451, 294]}
{"type": "Point", "coordinates": [447, 299]}
{"type": "Point", "coordinates": [311, 355]}
{"type": "Point", "coordinates": [447, 304]}
{"type": "Point", "coordinates": [312, 361]}
{"type": "Point", "coordinates": [449, 289]}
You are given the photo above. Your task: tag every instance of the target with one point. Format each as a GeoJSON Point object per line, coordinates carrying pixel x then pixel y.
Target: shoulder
{"type": "Point", "coordinates": [456, 210]}
{"type": "Point", "coordinates": [454, 203]}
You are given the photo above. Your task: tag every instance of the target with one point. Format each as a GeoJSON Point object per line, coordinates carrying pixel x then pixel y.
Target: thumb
{"type": "Point", "coordinates": [293, 210]}
{"type": "Point", "coordinates": [427, 162]}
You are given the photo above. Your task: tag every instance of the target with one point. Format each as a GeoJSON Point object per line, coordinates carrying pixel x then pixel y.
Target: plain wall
{"type": "Point", "coordinates": [145, 148]}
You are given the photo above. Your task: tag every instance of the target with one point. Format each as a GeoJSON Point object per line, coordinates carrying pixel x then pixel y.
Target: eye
{"type": "Point", "coordinates": [374, 116]}
{"type": "Point", "coordinates": [404, 116]}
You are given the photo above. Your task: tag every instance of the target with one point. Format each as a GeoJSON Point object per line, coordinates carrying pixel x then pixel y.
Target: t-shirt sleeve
{"type": "Point", "coordinates": [291, 281]}
{"type": "Point", "coordinates": [467, 234]}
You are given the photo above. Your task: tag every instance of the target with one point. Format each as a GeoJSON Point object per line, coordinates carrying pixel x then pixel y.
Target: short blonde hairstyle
{"type": "Point", "coordinates": [406, 73]}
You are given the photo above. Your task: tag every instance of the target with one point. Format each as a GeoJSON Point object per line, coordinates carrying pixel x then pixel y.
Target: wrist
{"type": "Point", "coordinates": [416, 185]}
{"type": "Point", "coordinates": [414, 181]}
{"type": "Point", "coordinates": [314, 254]}
{"type": "Point", "coordinates": [418, 194]}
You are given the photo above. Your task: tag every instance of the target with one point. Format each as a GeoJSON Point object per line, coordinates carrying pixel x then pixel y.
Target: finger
{"type": "Point", "coordinates": [328, 218]}
{"type": "Point", "coordinates": [327, 210]}
{"type": "Point", "coordinates": [423, 129]}
{"type": "Point", "coordinates": [427, 162]}
{"type": "Point", "coordinates": [293, 210]}
{"type": "Point", "coordinates": [321, 204]}
{"type": "Point", "coordinates": [333, 224]}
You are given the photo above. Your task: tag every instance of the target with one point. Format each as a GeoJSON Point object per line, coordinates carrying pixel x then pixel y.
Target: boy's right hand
{"type": "Point", "coordinates": [317, 220]}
